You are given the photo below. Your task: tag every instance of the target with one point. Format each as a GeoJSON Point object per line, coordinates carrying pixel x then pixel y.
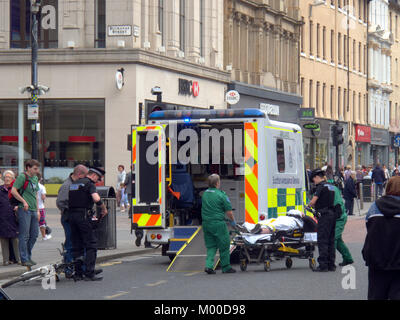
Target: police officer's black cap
{"type": "Point", "coordinates": [100, 172]}
{"type": "Point", "coordinates": [317, 172]}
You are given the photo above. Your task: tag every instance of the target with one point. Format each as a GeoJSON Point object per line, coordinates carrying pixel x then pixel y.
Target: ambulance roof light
{"type": "Point", "coordinates": [207, 114]}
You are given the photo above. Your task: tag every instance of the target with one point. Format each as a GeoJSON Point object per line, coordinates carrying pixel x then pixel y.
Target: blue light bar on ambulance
{"type": "Point", "coordinates": [206, 114]}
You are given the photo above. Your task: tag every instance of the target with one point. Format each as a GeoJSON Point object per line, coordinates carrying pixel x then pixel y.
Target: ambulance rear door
{"type": "Point", "coordinates": [148, 163]}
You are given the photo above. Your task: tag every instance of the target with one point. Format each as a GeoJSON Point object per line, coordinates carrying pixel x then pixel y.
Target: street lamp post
{"type": "Point", "coordinates": [35, 9]}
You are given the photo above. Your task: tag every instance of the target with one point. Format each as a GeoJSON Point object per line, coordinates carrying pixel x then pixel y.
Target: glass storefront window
{"type": "Point", "coordinates": [321, 153]}
{"type": "Point", "coordinates": [72, 132]}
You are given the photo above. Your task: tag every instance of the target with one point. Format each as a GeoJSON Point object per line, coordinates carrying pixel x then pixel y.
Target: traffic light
{"type": "Point", "coordinates": [337, 135]}
{"type": "Point", "coordinates": [152, 107]}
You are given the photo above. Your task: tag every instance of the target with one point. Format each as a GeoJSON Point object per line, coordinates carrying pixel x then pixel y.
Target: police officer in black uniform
{"type": "Point", "coordinates": [82, 196]}
{"type": "Point", "coordinates": [323, 201]}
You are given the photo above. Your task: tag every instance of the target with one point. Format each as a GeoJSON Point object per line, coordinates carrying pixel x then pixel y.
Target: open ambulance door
{"type": "Point", "coordinates": [148, 166]}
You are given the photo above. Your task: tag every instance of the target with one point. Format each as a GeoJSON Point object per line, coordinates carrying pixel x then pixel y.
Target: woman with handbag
{"type": "Point", "coordinates": [8, 221]}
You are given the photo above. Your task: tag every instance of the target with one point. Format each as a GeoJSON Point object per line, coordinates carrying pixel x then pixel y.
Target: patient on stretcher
{"type": "Point", "coordinates": [291, 221]}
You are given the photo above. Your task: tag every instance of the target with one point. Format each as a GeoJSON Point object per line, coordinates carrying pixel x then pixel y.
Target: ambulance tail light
{"type": "Point", "coordinates": [152, 236]}
{"type": "Point", "coordinates": [262, 217]}
{"type": "Point", "coordinates": [159, 237]}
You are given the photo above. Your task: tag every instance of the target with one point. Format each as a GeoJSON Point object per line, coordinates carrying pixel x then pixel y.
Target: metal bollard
{"type": "Point", "coordinates": [361, 196]}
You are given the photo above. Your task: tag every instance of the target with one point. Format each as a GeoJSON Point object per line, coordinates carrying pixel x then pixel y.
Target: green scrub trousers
{"type": "Point", "coordinates": [339, 243]}
{"type": "Point", "coordinates": [216, 237]}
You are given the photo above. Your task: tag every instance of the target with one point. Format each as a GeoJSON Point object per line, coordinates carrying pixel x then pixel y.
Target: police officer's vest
{"type": "Point", "coordinates": [79, 195]}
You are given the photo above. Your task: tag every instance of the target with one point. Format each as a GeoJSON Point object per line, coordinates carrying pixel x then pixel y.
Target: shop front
{"type": "Point", "coordinates": [317, 144]}
{"type": "Point", "coordinates": [380, 143]}
{"type": "Point", "coordinates": [280, 106]}
{"type": "Point", "coordinates": [363, 142]}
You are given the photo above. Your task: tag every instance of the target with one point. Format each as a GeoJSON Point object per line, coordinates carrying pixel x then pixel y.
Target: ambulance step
{"type": "Point", "coordinates": [192, 256]}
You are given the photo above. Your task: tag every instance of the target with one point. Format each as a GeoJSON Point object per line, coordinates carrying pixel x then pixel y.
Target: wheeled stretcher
{"type": "Point", "coordinates": [263, 248]}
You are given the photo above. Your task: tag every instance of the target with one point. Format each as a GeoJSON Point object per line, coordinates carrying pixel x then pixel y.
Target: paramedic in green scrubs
{"type": "Point", "coordinates": [215, 205]}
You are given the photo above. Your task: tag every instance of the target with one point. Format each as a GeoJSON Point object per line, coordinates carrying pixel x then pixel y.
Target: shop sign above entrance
{"type": "Point", "coordinates": [189, 88]}
{"type": "Point", "coordinates": [363, 133]}
{"type": "Point", "coordinates": [311, 126]}
{"type": "Point", "coordinates": [270, 109]}
{"type": "Point", "coordinates": [232, 97]}
{"type": "Point", "coordinates": [306, 113]}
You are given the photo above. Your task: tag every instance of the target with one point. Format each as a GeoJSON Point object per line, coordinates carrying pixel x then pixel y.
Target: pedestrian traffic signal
{"type": "Point", "coordinates": [337, 135]}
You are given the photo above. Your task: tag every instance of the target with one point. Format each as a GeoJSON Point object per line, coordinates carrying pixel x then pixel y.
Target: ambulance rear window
{"type": "Point", "coordinates": [280, 155]}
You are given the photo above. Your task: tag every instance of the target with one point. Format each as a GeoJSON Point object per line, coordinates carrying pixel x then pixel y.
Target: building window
{"type": "Point", "coordinates": [323, 100]}
{"type": "Point", "coordinates": [202, 16]}
{"type": "Point", "coordinates": [318, 39]}
{"type": "Point", "coordinates": [324, 43]}
{"type": "Point", "coordinates": [302, 90]}
{"type": "Point", "coordinates": [311, 38]}
{"type": "Point", "coordinates": [339, 102]}
{"type": "Point", "coordinates": [354, 55]}
{"type": "Point", "coordinates": [302, 35]}
{"type": "Point", "coordinates": [345, 51]}
{"type": "Point", "coordinates": [280, 155]}
{"type": "Point", "coordinates": [339, 48]}
{"type": "Point", "coordinates": [344, 103]}
{"type": "Point", "coordinates": [332, 46]}
{"type": "Point", "coordinates": [359, 56]}
{"type": "Point", "coordinates": [182, 20]}
{"type": "Point", "coordinates": [20, 23]}
{"type": "Point", "coordinates": [331, 101]}
{"type": "Point", "coordinates": [161, 21]}
{"type": "Point", "coordinates": [317, 102]}
{"type": "Point", "coordinates": [310, 95]}
{"type": "Point", "coordinates": [100, 24]}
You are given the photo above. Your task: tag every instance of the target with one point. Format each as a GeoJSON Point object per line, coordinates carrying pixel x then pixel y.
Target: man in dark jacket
{"type": "Point", "coordinates": [378, 177]}
{"type": "Point", "coordinates": [381, 250]}
{"type": "Point", "coordinates": [349, 193]}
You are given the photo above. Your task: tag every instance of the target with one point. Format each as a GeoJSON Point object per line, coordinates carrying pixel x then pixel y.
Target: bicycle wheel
{"type": "Point", "coordinates": [23, 277]}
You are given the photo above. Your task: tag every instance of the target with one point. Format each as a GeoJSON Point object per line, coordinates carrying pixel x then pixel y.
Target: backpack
{"type": "Point", "coordinates": [14, 202]}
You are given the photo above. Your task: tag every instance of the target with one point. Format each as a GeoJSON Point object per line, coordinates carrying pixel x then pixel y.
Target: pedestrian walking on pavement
{"type": "Point", "coordinates": [82, 196]}
{"type": "Point", "coordinates": [381, 251]}
{"type": "Point", "coordinates": [323, 202]}
{"type": "Point", "coordinates": [215, 205]}
{"type": "Point", "coordinates": [80, 171]}
{"type": "Point", "coordinates": [349, 193]}
{"type": "Point", "coordinates": [378, 177]}
{"type": "Point", "coordinates": [120, 179]}
{"type": "Point", "coordinates": [8, 222]}
{"type": "Point", "coordinates": [42, 210]}
{"type": "Point", "coordinates": [28, 212]}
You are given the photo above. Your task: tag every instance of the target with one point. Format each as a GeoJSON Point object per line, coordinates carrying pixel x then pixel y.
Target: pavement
{"type": "Point", "coordinates": [46, 252]}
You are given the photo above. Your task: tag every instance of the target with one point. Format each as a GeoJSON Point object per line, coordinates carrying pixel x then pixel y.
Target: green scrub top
{"type": "Point", "coordinates": [215, 203]}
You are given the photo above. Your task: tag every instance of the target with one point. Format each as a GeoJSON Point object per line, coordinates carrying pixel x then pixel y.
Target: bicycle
{"type": "Point", "coordinates": [47, 271]}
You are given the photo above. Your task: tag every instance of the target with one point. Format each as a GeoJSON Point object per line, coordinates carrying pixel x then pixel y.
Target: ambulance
{"type": "Point", "coordinates": [260, 162]}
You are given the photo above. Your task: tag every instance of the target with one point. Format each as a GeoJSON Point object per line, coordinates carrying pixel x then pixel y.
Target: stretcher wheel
{"type": "Point", "coordinates": [289, 263]}
{"type": "Point", "coordinates": [267, 265]}
{"type": "Point", "coordinates": [312, 264]}
{"type": "Point", "coordinates": [243, 265]}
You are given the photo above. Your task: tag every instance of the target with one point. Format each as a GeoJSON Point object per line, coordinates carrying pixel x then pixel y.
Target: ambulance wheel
{"type": "Point", "coordinates": [243, 265]}
{"type": "Point", "coordinates": [288, 263]}
{"type": "Point", "coordinates": [312, 264]}
{"type": "Point", "coordinates": [267, 265]}
{"type": "Point", "coordinates": [57, 278]}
